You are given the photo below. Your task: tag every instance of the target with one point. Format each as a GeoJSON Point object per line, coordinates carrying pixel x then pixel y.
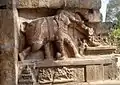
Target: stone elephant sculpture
{"type": "Point", "coordinates": [53, 28]}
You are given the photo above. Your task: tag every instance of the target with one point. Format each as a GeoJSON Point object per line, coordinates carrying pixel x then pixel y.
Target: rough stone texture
{"type": "Point", "coordinates": [91, 15]}
{"type": "Point", "coordinates": [87, 4]}
{"type": "Point", "coordinates": [90, 60]}
{"type": "Point", "coordinates": [66, 74]}
{"type": "Point", "coordinates": [3, 2]}
{"type": "Point", "coordinates": [29, 75]}
{"type": "Point", "coordinates": [90, 72]}
{"type": "Point", "coordinates": [102, 28]}
{"type": "Point", "coordinates": [36, 13]}
{"type": "Point", "coordinates": [118, 66]}
{"type": "Point", "coordinates": [80, 74]}
{"type": "Point", "coordinates": [107, 71]}
{"type": "Point", "coordinates": [100, 50]}
{"type": "Point", "coordinates": [75, 73]}
{"type": "Point", "coordinates": [7, 61]}
{"type": "Point", "coordinates": [115, 70]}
{"type": "Point", "coordinates": [94, 72]}
{"type": "Point", "coordinates": [38, 70]}
{"type": "Point", "coordinates": [99, 72]}
{"type": "Point", "coordinates": [110, 71]}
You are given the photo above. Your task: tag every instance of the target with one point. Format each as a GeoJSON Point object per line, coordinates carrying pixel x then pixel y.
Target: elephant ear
{"type": "Point", "coordinates": [73, 16]}
{"type": "Point", "coordinates": [70, 15]}
{"type": "Point", "coordinates": [65, 18]}
{"type": "Point", "coordinates": [78, 17]}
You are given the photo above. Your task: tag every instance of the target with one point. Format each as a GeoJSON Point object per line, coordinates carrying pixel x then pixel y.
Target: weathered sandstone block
{"type": "Point", "coordinates": [87, 4]}
{"type": "Point", "coordinates": [7, 61]}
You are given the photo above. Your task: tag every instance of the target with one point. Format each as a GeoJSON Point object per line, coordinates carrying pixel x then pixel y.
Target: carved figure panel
{"type": "Point", "coordinates": [62, 74]}
{"type": "Point", "coordinates": [45, 75]}
{"type": "Point", "coordinates": [57, 36]}
{"type": "Point", "coordinates": [41, 31]}
{"type": "Point", "coordinates": [25, 76]}
{"type": "Point", "coordinates": [31, 76]}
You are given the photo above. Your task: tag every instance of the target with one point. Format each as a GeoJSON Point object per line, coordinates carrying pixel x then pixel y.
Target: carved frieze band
{"type": "Point", "coordinates": [30, 75]}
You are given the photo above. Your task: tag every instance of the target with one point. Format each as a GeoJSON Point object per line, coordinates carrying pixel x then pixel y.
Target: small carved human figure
{"type": "Point", "coordinates": [91, 37]}
{"type": "Point", "coordinates": [92, 40]}
{"type": "Point", "coordinates": [83, 46]}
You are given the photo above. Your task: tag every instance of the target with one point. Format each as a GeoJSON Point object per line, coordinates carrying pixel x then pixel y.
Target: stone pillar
{"type": "Point", "coordinates": [8, 50]}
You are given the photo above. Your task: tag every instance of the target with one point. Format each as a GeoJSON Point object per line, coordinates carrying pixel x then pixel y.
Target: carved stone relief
{"type": "Point", "coordinates": [55, 42]}
{"type": "Point", "coordinates": [45, 76]}
{"type": "Point", "coordinates": [42, 32]}
{"type": "Point", "coordinates": [64, 73]}
{"type": "Point", "coordinates": [25, 77]}
{"type": "Point", "coordinates": [56, 38]}
{"type": "Point", "coordinates": [30, 76]}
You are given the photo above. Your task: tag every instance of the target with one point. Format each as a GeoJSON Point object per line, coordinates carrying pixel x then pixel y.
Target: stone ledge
{"type": "Point", "coordinates": [86, 4]}
{"type": "Point", "coordinates": [100, 50]}
{"type": "Point", "coordinates": [83, 70]}
{"type": "Point", "coordinates": [69, 62]}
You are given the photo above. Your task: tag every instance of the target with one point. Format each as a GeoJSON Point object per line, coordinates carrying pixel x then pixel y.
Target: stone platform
{"type": "Point", "coordinates": [100, 50]}
{"type": "Point", "coordinates": [67, 72]}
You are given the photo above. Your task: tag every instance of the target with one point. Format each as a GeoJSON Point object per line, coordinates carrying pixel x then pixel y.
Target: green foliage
{"type": "Point", "coordinates": [116, 33]}
{"type": "Point", "coordinates": [118, 17]}
{"type": "Point", "coordinates": [113, 14]}
{"type": "Point", "coordinates": [114, 37]}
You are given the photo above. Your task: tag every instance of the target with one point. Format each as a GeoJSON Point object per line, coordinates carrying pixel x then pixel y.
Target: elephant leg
{"type": "Point", "coordinates": [72, 45]}
{"type": "Point", "coordinates": [60, 45]}
{"type": "Point", "coordinates": [24, 53]}
{"type": "Point", "coordinates": [37, 45]}
{"type": "Point", "coordinates": [48, 51]}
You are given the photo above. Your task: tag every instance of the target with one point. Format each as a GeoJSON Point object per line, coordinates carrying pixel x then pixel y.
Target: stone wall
{"type": "Point", "coordinates": [7, 44]}
{"type": "Point", "coordinates": [68, 72]}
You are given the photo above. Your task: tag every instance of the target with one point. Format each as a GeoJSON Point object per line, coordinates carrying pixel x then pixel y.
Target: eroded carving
{"type": "Point", "coordinates": [25, 77]}
{"type": "Point", "coordinates": [41, 31]}
{"type": "Point", "coordinates": [45, 75]}
{"type": "Point", "coordinates": [64, 74]}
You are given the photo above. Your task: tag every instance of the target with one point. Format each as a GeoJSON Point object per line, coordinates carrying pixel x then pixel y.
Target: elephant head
{"type": "Point", "coordinates": [70, 17]}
